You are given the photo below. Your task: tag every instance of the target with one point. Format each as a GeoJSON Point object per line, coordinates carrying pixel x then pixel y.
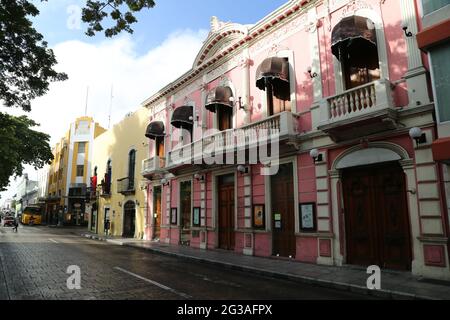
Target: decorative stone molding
{"type": "Point", "coordinates": [400, 151]}
{"type": "Point", "coordinates": [279, 35]}
{"type": "Point", "coordinates": [187, 90]}
{"type": "Point", "coordinates": [354, 6]}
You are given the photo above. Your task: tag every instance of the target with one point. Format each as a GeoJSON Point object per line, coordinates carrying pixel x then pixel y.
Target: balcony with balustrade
{"type": "Point", "coordinates": [357, 112]}
{"type": "Point", "coordinates": [126, 186]}
{"type": "Point", "coordinates": [153, 166]}
{"type": "Point", "coordinates": [283, 127]}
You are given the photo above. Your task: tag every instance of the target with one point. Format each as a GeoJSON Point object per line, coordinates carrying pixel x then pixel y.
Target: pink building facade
{"type": "Point", "coordinates": [332, 89]}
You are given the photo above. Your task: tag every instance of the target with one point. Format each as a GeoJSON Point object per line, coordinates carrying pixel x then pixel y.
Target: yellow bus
{"type": "Point", "coordinates": [32, 215]}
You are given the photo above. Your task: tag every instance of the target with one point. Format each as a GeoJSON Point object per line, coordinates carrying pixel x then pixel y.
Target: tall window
{"type": "Point", "coordinates": [354, 43]}
{"type": "Point", "coordinates": [272, 76]}
{"type": "Point", "coordinates": [360, 64]}
{"type": "Point", "coordinates": [433, 5]}
{"type": "Point", "coordinates": [80, 170]}
{"type": "Point", "coordinates": [225, 118]}
{"type": "Point", "coordinates": [131, 168]}
{"type": "Point", "coordinates": [108, 177]}
{"type": "Point", "coordinates": [440, 64]}
{"type": "Point", "coordinates": [81, 147]}
{"type": "Point", "coordinates": [159, 146]}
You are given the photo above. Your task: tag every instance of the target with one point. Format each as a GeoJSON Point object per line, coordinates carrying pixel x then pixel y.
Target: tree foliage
{"type": "Point", "coordinates": [26, 64]}
{"type": "Point", "coordinates": [120, 11]}
{"type": "Point", "coordinates": [19, 145]}
{"type": "Point", "coordinates": [27, 69]}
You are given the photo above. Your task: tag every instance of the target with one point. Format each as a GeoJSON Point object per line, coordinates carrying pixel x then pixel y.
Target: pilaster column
{"type": "Point", "coordinates": [204, 90]}
{"type": "Point", "coordinates": [336, 213]}
{"type": "Point", "coordinates": [416, 75]}
{"type": "Point", "coordinates": [245, 67]}
{"type": "Point", "coordinates": [315, 54]}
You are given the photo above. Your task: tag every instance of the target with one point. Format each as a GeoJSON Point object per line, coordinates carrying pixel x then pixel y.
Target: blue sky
{"type": "Point", "coordinates": [156, 24]}
{"type": "Point", "coordinates": [164, 45]}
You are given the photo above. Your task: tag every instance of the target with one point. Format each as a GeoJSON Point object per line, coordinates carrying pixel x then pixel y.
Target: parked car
{"type": "Point", "coordinates": [8, 221]}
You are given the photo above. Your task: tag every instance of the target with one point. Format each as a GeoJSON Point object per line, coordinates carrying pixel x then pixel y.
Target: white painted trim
{"type": "Point", "coordinates": [315, 54]}
{"type": "Point", "coordinates": [402, 153]}
{"type": "Point", "coordinates": [367, 156]}
{"type": "Point", "coordinates": [69, 161]}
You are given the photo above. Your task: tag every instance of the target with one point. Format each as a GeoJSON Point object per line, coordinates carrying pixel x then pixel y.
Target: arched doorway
{"type": "Point", "coordinates": [129, 219]}
{"type": "Point", "coordinates": [376, 216]}
{"type": "Point", "coordinates": [375, 208]}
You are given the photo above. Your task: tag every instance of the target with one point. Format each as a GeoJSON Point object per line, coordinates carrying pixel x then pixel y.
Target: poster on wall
{"type": "Point", "coordinates": [307, 217]}
{"type": "Point", "coordinates": [258, 216]}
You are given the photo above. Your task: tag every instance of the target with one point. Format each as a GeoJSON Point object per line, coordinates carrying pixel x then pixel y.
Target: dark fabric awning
{"type": "Point", "coordinates": [219, 97]}
{"type": "Point", "coordinates": [352, 31]}
{"type": "Point", "coordinates": [155, 130]}
{"type": "Point", "coordinates": [182, 117]}
{"type": "Point", "coordinates": [276, 69]}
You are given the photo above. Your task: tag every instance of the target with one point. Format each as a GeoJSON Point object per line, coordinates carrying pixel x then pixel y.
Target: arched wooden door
{"type": "Point", "coordinates": [376, 216]}
{"type": "Point", "coordinates": [129, 219]}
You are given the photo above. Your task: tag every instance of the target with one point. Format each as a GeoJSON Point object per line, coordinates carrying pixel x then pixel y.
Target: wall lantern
{"type": "Point", "coordinates": [417, 134]}
{"type": "Point", "coordinates": [311, 73]}
{"type": "Point", "coordinates": [242, 169]}
{"type": "Point", "coordinates": [137, 203]}
{"type": "Point", "coordinates": [199, 177]}
{"type": "Point", "coordinates": [315, 155]}
{"type": "Point", "coordinates": [165, 181]}
{"type": "Point", "coordinates": [238, 102]}
{"type": "Point", "coordinates": [405, 28]}
{"type": "Point", "coordinates": [120, 204]}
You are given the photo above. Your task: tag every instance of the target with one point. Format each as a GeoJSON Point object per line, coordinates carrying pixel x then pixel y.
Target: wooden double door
{"type": "Point", "coordinates": [226, 212]}
{"type": "Point", "coordinates": [283, 212]}
{"type": "Point", "coordinates": [376, 217]}
{"type": "Point", "coordinates": [157, 198]}
{"type": "Point", "coordinates": [185, 212]}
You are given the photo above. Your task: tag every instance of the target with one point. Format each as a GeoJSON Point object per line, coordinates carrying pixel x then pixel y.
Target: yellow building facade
{"type": "Point", "coordinates": [119, 205]}
{"type": "Point", "coordinates": [69, 173]}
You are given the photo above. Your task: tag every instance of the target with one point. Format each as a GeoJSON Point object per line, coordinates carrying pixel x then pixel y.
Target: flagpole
{"type": "Point", "coordinates": [87, 97]}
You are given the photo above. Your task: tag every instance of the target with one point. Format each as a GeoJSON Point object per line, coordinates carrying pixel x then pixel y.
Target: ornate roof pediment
{"type": "Point", "coordinates": [221, 36]}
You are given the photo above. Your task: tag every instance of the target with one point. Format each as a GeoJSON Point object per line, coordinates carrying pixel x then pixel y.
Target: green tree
{"type": "Point", "coordinates": [27, 69]}
{"type": "Point", "coordinates": [20, 145]}
{"type": "Point", "coordinates": [120, 11]}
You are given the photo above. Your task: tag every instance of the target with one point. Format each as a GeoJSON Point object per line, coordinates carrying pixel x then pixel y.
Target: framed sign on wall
{"type": "Point", "coordinates": [196, 217]}
{"type": "Point", "coordinates": [259, 216]}
{"type": "Point", "coordinates": [307, 217]}
{"type": "Point", "coordinates": [173, 216]}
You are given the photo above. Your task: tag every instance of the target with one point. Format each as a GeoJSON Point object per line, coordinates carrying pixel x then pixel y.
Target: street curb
{"type": "Point", "coordinates": [382, 293]}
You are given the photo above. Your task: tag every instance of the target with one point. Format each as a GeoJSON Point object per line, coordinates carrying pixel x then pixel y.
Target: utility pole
{"type": "Point", "coordinates": [110, 107]}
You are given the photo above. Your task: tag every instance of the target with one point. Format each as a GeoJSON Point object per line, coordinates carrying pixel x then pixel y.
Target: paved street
{"type": "Point", "coordinates": [33, 264]}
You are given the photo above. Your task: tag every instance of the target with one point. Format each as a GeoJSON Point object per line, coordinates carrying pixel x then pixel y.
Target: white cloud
{"type": "Point", "coordinates": [110, 63]}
